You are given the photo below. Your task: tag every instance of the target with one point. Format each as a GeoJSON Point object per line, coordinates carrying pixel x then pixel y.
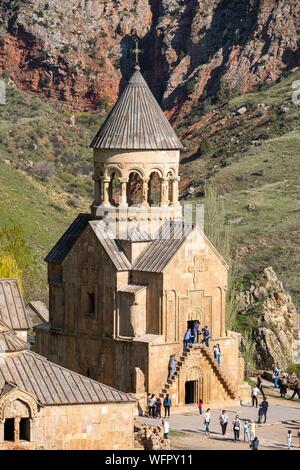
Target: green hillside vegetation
{"type": "Point", "coordinates": [261, 172]}
{"type": "Point", "coordinates": [31, 220]}
{"type": "Point", "coordinates": [48, 142]}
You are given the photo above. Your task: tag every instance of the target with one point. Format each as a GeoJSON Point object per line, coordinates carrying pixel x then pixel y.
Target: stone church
{"type": "Point", "coordinates": [127, 279]}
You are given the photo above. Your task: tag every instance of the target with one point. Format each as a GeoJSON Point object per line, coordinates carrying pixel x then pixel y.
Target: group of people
{"type": "Point", "coordinates": [155, 404]}
{"type": "Point", "coordinates": [248, 427]}
{"type": "Point", "coordinates": [283, 381]}
{"type": "Point", "coordinates": [191, 336]}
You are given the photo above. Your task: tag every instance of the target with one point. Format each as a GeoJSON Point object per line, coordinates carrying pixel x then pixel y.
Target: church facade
{"type": "Point", "coordinates": [128, 279]}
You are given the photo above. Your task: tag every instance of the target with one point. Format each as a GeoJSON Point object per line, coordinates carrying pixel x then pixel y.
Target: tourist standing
{"type": "Point", "coordinates": [254, 393]}
{"type": "Point", "coordinates": [289, 439]}
{"type": "Point", "coordinates": [207, 421]}
{"type": "Point", "coordinates": [195, 331]}
{"type": "Point", "coordinates": [252, 429]}
{"type": "Point", "coordinates": [187, 339]}
{"type": "Point", "coordinates": [276, 376]}
{"type": "Point", "coordinates": [167, 405]}
{"type": "Point", "coordinates": [259, 384]}
{"type": "Point", "coordinates": [246, 432]}
{"type": "Point", "coordinates": [223, 421]}
{"type": "Point", "coordinates": [148, 402]}
{"type": "Point", "coordinates": [265, 406]}
{"type": "Point", "coordinates": [283, 385]}
{"type": "Point", "coordinates": [200, 406]}
{"type": "Point", "coordinates": [152, 403]}
{"type": "Point", "coordinates": [166, 428]}
{"type": "Point", "coordinates": [236, 428]}
{"type": "Point", "coordinates": [172, 366]}
{"type": "Point", "coordinates": [158, 407]}
{"type": "Point", "coordinates": [260, 413]}
{"type": "Point", "coordinates": [254, 444]}
{"type": "Point", "coordinates": [206, 335]}
{"type": "Point", "coordinates": [218, 354]}
{"type": "Point", "coordinates": [296, 389]}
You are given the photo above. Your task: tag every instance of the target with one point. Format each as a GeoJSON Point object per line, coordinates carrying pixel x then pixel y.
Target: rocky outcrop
{"type": "Point", "coordinates": [149, 437]}
{"type": "Point", "coordinates": [192, 50]}
{"type": "Point", "coordinates": [276, 329]}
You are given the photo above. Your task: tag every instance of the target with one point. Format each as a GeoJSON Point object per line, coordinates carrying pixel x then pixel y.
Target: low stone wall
{"type": "Point", "coordinates": [149, 437]}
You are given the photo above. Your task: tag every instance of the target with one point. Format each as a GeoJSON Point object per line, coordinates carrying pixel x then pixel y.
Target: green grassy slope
{"type": "Point", "coordinates": [42, 214]}
{"type": "Point", "coordinates": [267, 175]}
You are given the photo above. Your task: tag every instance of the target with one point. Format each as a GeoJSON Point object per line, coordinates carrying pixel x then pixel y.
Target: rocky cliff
{"type": "Point", "coordinates": [80, 51]}
{"type": "Point", "coordinates": [275, 322]}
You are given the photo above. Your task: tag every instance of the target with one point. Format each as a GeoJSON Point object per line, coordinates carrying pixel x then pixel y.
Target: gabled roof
{"type": "Point", "coordinates": [169, 238]}
{"type": "Point", "coordinates": [136, 121]}
{"type": "Point", "coordinates": [58, 253]}
{"type": "Point", "coordinates": [37, 312]}
{"type": "Point", "coordinates": [50, 383]}
{"type": "Point", "coordinates": [12, 308]}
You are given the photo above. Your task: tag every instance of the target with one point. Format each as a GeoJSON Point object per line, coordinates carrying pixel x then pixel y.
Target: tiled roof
{"type": "Point", "coordinates": [66, 242]}
{"type": "Point", "coordinates": [168, 240]}
{"type": "Point", "coordinates": [50, 383]}
{"type": "Point", "coordinates": [12, 308]}
{"type": "Point", "coordinates": [136, 121]}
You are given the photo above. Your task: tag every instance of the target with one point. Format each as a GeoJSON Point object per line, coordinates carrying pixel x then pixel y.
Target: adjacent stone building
{"type": "Point", "coordinates": [45, 406]}
{"type": "Point", "coordinates": [126, 280]}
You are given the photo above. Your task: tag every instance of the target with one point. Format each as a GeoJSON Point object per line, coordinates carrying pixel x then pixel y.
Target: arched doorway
{"type": "Point", "coordinates": [193, 386]}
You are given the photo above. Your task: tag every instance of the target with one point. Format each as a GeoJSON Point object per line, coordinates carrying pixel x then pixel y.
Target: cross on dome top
{"type": "Point", "coordinates": [137, 51]}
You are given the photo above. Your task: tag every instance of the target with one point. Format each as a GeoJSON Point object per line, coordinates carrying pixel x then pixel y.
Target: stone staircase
{"type": "Point", "coordinates": [206, 352]}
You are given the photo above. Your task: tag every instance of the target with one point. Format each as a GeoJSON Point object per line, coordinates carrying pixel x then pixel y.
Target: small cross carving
{"type": "Point", "coordinates": [198, 267]}
{"type": "Point", "coordinates": [137, 51]}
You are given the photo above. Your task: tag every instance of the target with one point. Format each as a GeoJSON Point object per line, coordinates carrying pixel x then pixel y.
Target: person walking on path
{"type": "Point", "coordinates": [296, 389]}
{"type": "Point", "coordinates": [254, 393]}
{"type": "Point", "coordinates": [207, 421]}
{"type": "Point", "coordinates": [200, 406]}
{"type": "Point", "coordinates": [252, 429]}
{"type": "Point", "coordinates": [260, 414]}
{"type": "Point", "coordinates": [187, 339]}
{"type": "Point", "coordinates": [223, 421]}
{"type": "Point", "coordinates": [167, 405]}
{"type": "Point", "coordinates": [276, 374]}
{"type": "Point", "coordinates": [152, 402]}
{"type": "Point", "coordinates": [289, 439]}
{"type": "Point", "coordinates": [158, 407]}
{"type": "Point", "coordinates": [166, 427]}
{"type": "Point", "coordinates": [195, 331]}
{"type": "Point", "coordinates": [254, 444]}
{"type": "Point", "coordinates": [246, 432]}
{"type": "Point", "coordinates": [259, 385]}
{"type": "Point", "coordinates": [236, 428]}
{"type": "Point", "coordinates": [265, 406]}
{"type": "Point", "coordinates": [172, 366]}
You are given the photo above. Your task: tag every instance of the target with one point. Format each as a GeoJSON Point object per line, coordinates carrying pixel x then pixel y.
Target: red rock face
{"type": "Point", "coordinates": [80, 52]}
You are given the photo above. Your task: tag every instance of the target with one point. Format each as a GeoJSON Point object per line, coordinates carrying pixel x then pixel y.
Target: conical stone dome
{"type": "Point", "coordinates": [136, 121]}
